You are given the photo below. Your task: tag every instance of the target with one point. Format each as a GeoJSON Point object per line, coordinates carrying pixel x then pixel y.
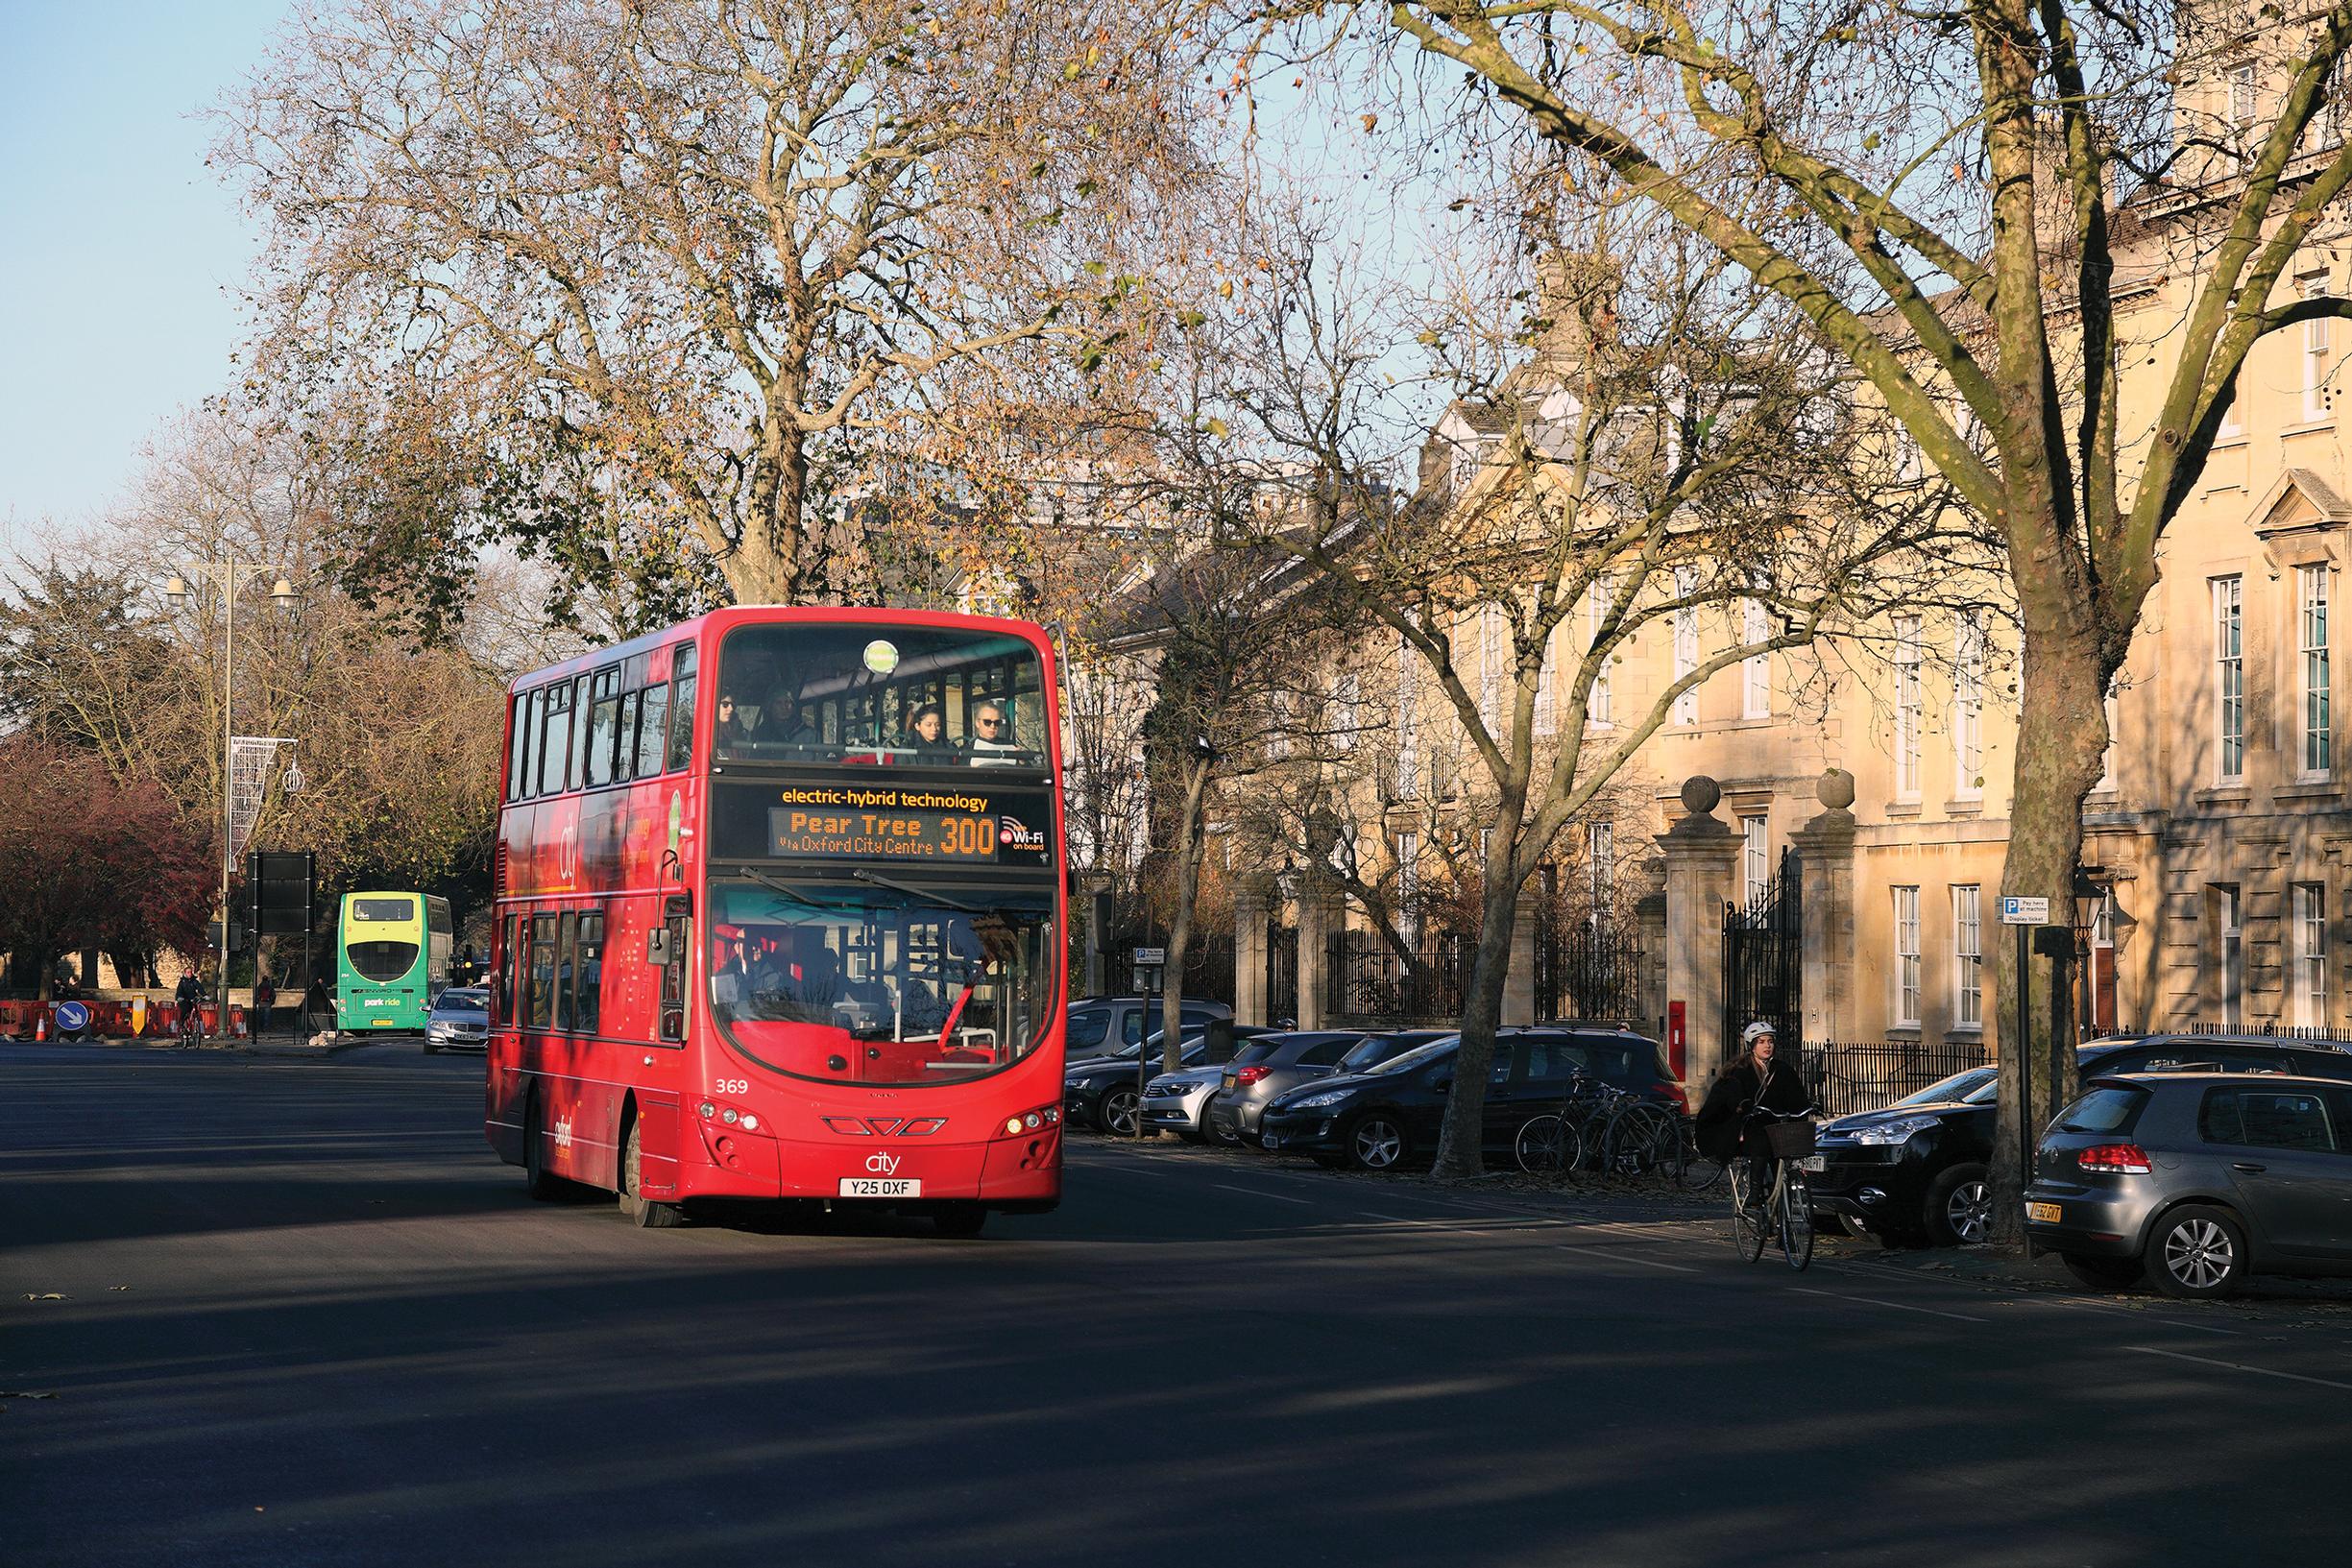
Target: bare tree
{"type": "Point", "coordinates": [689, 248]}
{"type": "Point", "coordinates": [1959, 201]}
{"type": "Point", "coordinates": [1668, 454]}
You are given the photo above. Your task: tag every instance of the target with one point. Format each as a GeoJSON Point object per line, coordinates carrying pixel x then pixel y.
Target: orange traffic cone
{"type": "Point", "coordinates": [40, 1026]}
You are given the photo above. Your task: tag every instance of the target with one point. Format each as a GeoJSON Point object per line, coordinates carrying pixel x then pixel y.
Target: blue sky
{"type": "Point", "coordinates": [119, 251]}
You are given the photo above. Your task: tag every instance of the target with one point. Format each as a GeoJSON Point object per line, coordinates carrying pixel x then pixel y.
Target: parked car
{"type": "Point", "coordinates": [1100, 1024]}
{"type": "Point", "coordinates": [1915, 1172]}
{"type": "Point", "coordinates": [1387, 1115]}
{"type": "Point", "coordinates": [1271, 1065]}
{"type": "Point", "coordinates": [459, 1020]}
{"type": "Point", "coordinates": [1101, 1091]}
{"type": "Point", "coordinates": [1177, 1102]}
{"type": "Point", "coordinates": [2197, 1180]}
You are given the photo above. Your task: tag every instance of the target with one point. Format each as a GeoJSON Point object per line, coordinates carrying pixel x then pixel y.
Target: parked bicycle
{"type": "Point", "coordinates": [1769, 1199]}
{"type": "Point", "coordinates": [1695, 1170]}
{"type": "Point", "coordinates": [1615, 1131]}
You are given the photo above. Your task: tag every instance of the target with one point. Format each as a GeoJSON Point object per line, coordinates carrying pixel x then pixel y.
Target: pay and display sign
{"type": "Point", "coordinates": [2016, 911]}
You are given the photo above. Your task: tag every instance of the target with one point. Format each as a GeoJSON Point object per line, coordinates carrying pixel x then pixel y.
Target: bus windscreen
{"type": "Point", "coordinates": [383, 909]}
{"type": "Point", "coordinates": [879, 696]}
{"type": "Point", "coordinates": [879, 985]}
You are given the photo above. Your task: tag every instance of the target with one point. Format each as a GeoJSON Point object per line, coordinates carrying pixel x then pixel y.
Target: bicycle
{"type": "Point", "coordinates": [1620, 1132]}
{"type": "Point", "coordinates": [191, 1027]}
{"type": "Point", "coordinates": [1787, 1210]}
{"type": "Point", "coordinates": [1694, 1172]}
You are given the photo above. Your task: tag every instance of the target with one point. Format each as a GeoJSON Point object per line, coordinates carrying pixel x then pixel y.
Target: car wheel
{"type": "Point", "coordinates": [2197, 1251]}
{"type": "Point", "coordinates": [2102, 1273]}
{"type": "Point", "coordinates": [1115, 1112]}
{"type": "Point", "coordinates": [1959, 1207]}
{"type": "Point", "coordinates": [643, 1212]}
{"type": "Point", "coordinates": [1377, 1142]}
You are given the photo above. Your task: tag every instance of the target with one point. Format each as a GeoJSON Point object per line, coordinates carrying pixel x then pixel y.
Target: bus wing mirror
{"type": "Point", "coordinates": [657, 947]}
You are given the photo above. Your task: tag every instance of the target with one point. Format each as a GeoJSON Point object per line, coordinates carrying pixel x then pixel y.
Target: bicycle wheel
{"type": "Point", "coordinates": [1547, 1146]}
{"type": "Point", "coordinates": [1693, 1171]}
{"type": "Point", "coordinates": [1642, 1139]}
{"type": "Point", "coordinates": [1747, 1221]}
{"type": "Point", "coordinates": [1796, 1220]}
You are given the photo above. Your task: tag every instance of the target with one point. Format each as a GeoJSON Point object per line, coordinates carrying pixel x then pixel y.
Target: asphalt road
{"type": "Point", "coordinates": [305, 1318]}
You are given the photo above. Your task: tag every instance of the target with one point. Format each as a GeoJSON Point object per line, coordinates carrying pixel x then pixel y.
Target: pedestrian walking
{"type": "Point", "coordinates": [265, 1002]}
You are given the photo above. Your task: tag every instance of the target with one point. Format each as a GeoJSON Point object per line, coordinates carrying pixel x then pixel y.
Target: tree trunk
{"type": "Point", "coordinates": [766, 565]}
{"type": "Point", "coordinates": [2061, 742]}
{"type": "Point", "coordinates": [1461, 1147]}
{"type": "Point", "coordinates": [1191, 844]}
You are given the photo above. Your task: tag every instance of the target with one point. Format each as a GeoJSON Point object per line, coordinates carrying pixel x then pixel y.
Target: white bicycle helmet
{"type": "Point", "coordinates": [1756, 1031]}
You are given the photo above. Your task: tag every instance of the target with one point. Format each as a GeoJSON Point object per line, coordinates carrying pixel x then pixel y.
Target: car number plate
{"type": "Point", "coordinates": [2042, 1214]}
{"type": "Point", "coordinates": [1814, 1162]}
{"type": "Point", "coordinates": [878, 1187]}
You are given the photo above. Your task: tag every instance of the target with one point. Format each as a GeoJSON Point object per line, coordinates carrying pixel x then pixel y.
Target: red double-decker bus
{"type": "Point", "coordinates": [779, 915]}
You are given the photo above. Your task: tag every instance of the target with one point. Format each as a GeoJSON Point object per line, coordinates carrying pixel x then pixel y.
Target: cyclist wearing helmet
{"type": "Point", "coordinates": [1757, 1080]}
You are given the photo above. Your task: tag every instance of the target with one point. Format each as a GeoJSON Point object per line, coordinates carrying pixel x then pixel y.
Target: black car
{"type": "Point", "coordinates": [1387, 1115]}
{"type": "Point", "coordinates": [2197, 1180]}
{"type": "Point", "coordinates": [1915, 1172]}
{"type": "Point", "coordinates": [1101, 1091]}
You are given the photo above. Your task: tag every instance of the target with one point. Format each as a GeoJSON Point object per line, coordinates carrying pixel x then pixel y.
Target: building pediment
{"type": "Point", "coordinates": [2298, 501]}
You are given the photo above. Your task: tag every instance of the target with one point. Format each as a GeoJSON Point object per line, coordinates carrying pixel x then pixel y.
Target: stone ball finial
{"type": "Point", "coordinates": [1701, 794]}
{"type": "Point", "coordinates": [1835, 790]}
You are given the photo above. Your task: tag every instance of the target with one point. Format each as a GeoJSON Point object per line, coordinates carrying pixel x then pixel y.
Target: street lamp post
{"type": "Point", "coordinates": [226, 573]}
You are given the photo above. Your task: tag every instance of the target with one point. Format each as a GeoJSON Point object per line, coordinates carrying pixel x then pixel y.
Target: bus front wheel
{"type": "Point", "coordinates": [643, 1212]}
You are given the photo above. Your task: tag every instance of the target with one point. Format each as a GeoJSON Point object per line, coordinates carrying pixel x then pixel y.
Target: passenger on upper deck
{"type": "Point", "coordinates": [927, 736]}
{"type": "Point", "coordinates": [730, 733]}
{"type": "Point", "coordinates": [991, 736]}
{"type": "Point", "coordinates": [780, 720]}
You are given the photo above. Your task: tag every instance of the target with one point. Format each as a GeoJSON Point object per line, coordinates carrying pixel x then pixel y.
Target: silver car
{"type": "Point", "coordinates": [1178, 1102]}
{"type": "Point", "coordinates": [2194, 1180]}
{"type": "Point", "coordinates": [460, 1019]}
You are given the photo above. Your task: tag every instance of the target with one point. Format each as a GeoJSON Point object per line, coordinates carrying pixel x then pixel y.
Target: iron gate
{"type": "Point", "coordinates": [1764, 959]}
{"type": "Point", "coordinates": [1281, 972]}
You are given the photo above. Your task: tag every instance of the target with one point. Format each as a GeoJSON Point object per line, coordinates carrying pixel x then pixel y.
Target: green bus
{"type": "Point", "coordinates": [392, 959]}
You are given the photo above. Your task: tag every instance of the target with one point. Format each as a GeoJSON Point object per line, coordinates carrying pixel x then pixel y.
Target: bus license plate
{"type": "Point", "coordinates": [2042, 1214]}
{"type": "Point", "coordinates": [878, 1187]}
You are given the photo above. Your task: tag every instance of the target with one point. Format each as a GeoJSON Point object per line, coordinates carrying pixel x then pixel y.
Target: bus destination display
{"type": "Point", "coordinates": [816, 831]}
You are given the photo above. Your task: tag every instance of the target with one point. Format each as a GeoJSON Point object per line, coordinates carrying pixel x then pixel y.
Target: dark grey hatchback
{"type": "Point", "coordinates": [2197, 1180]}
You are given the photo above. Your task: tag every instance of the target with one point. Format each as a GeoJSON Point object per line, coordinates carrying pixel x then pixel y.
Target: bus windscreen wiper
{"type": "Point", "coordinates": [800, 895]}
{"type": "Point", "coordinates": [877, 879]}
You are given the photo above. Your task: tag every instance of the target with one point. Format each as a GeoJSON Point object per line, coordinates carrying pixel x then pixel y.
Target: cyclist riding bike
{"type": "Point", "coordinates": [188, 998]}
{"type": "Point", "coordinates": [1758, 1081]}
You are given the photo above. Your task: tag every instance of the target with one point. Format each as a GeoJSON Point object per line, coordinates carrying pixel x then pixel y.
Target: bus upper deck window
{"type": "Point", "coordinates": [682, 709]}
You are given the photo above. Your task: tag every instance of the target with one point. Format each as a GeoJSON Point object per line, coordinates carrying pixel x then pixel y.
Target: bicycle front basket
{"type": "Point", "coordinates": [1790, 1140]}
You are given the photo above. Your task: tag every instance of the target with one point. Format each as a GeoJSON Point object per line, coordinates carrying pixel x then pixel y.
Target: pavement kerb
{"type": "Point", "coordinates": [289, 1049]}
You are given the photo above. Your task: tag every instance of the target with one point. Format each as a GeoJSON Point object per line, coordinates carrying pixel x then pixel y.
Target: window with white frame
{"type": "Point", "coordinates": [2310, 956]}
{"type": "Point", "coordinates": [2229, 677]}
{"type": "Point", "coordinates": [2106, 760]}
{"type": "Point", "coordinates": [1490, 641]}
{"type": "Point", "coordinates": [1968, 705]}
{"type": "Point", "coordinates": [1346, 711]}
{"type": "Point", "coordinates": [1598, 601]}
{"type": "Point", "coordinates": [2229, 939]}
{"type": "Point", "coordinates": [1547, 715]}
{"type": "Point", "coordinates": [2317, 345]}
{"type": "Point", "coordinates": [1755, 862]}
{"type": "Point", "coordinates": [1408, 886]}
{"type": "Point", "coordinates": [1754, 670]}
{"type": "Point", "coordinates": [1686, 645]}
{"type": "Point", "coordinates": [1408, 719]}
{"type": "Point", "coordinates": [1968, 957]}
{"type": "Point", "coordinates": [1601, 867]}
{"type": "Point", "coordinates": [1907, 707]}
{"type": "Point", "coordinates": [2241, 107]}
{"type": "Point", "coordinates": [1907, 957]}
{"type": "Point", "coordinates": [2312, 593]}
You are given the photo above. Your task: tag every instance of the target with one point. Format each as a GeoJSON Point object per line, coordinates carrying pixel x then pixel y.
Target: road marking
{"type": "Point", "coordinates": [1625, 1257]}
{"type": "Point", "coordinates": [1228, 1187]}
{"type": "Point", "coordinates": [2236, 1366]}
{"type": "Point", "coordinates": [2133, 1312]}
{"type": "Point", "coordinates": [1899, 1306]}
